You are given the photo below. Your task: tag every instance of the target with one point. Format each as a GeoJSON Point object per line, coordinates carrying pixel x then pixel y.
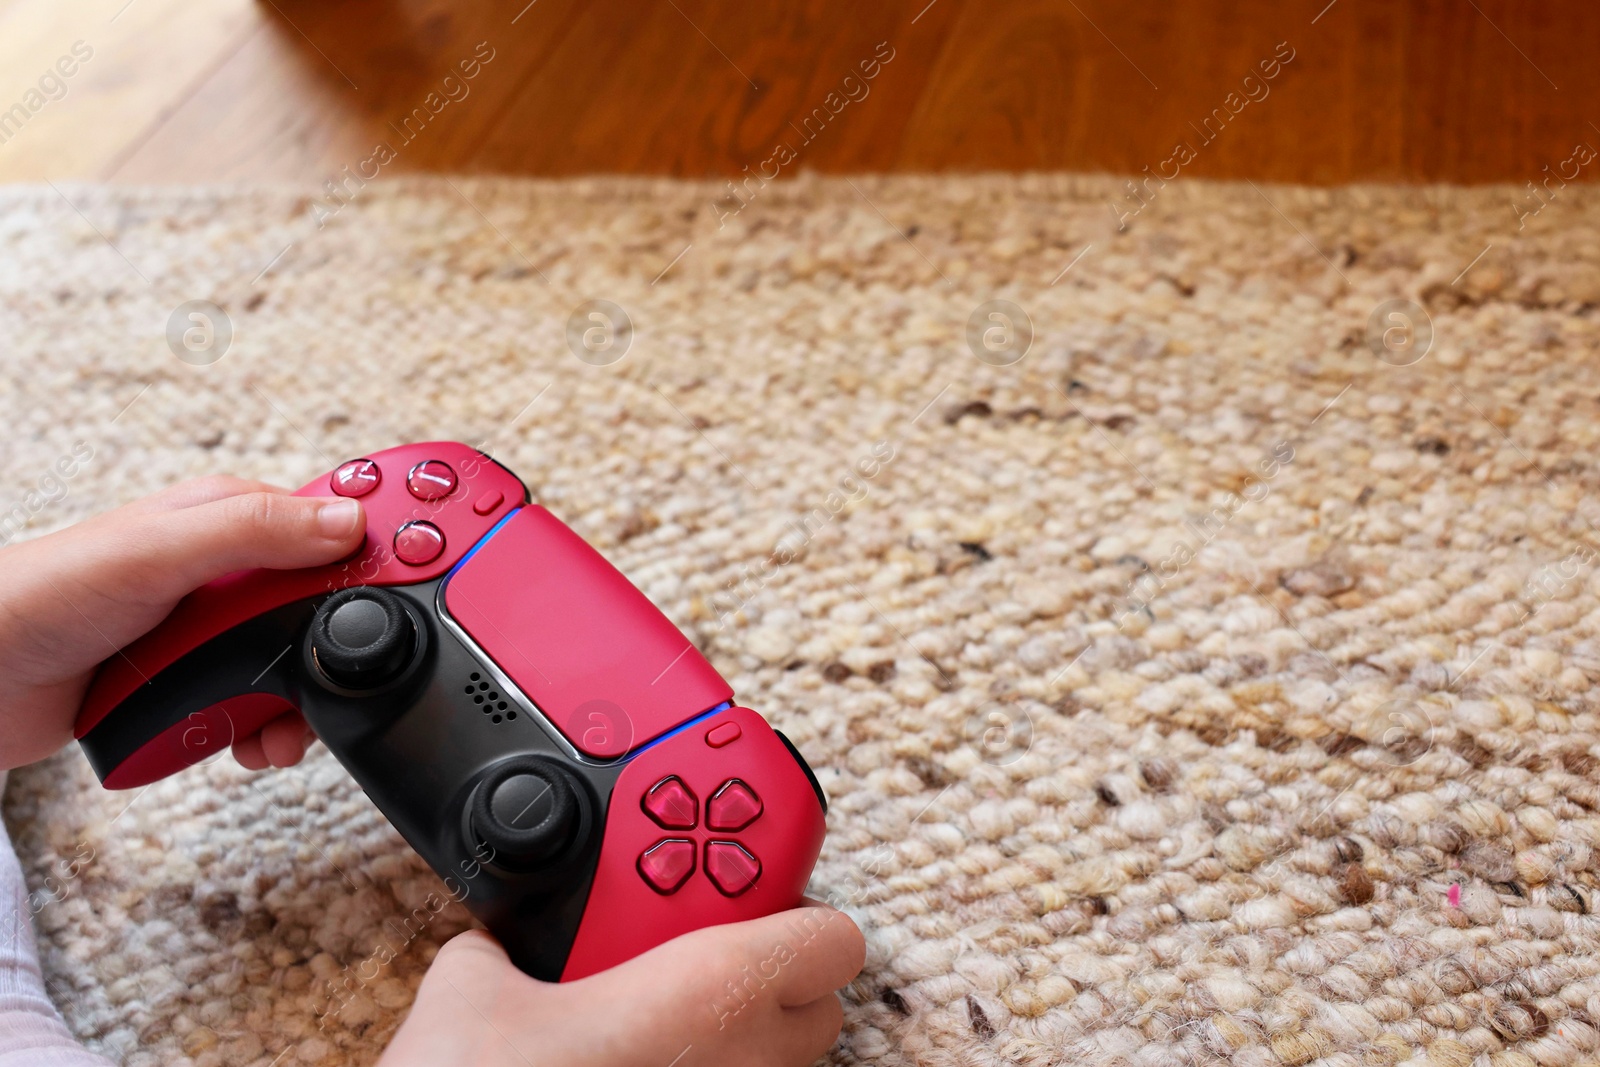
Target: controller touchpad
{"type": "Point", "coordinates": [603, 664]}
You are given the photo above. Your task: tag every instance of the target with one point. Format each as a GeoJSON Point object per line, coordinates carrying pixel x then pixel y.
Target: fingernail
{"type": "Point", "coordinates": [337, 520]}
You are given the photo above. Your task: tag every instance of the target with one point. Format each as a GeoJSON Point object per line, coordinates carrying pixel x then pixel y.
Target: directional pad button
{"type": "Point", "coordinates": [671, 804]}
{"type": "Point", "coordinates": [732, 807]}
{"type": "Point", "coordinates": [667, 864]}
{"type": "Point", "coordinates": [731, 869]}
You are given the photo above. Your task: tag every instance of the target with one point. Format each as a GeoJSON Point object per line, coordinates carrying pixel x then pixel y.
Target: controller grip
{"type": "Point", "coordinates": [218, 667]}
{"type": "Point", "coordinates": [204, 701]}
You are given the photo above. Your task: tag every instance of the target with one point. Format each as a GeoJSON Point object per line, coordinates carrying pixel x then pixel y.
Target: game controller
{"type": "Point", "coordinates": [564, 758]}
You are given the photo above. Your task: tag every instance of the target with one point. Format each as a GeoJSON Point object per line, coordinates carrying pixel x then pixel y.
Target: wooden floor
{"type": "Point", "coordinates": [223, 90]}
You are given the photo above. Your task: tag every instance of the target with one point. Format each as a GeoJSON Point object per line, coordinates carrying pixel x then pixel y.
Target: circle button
{"type": "Point", "coordinates": [418, 543]}
{"type": "Point", "coordinates": [431, 479]}
{"type": "Point", "coordinates": [356, 478]}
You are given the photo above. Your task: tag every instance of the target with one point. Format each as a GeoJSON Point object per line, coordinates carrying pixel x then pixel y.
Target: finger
{"type": "Point", "coordinates": [830, 951]}
{"type": "Point", "coordinates": [474, 1007]}
{"type": "Point", "coordinates": [198, 491]}
{"type": "Point", "coordinates": [810, 1030]}
{"type": "Point", "coordinates": [285, 739]}
{"type": "Point", "coordinates": [478, 968]}
{"type": "Point", "coordinates": [800, 955]}
{"type": "Point", "coordinates": [247, 750]}
{"type": "Point", "coordinates": [479, 945]}
{"type": "Point", "coordinates": [164, 555]}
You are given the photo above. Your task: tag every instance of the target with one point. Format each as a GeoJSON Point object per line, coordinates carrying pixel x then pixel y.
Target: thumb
{"type": "Point", "coordinates": [476, 967]}
{"type": "Point", "coordinates": [71, 597]}
{"type": "Point", "coordinates": [150, 556]}
{"type": "Point", "coordinates": [177, 551]}
{"type": "Point", "coordinates": [799, 955]}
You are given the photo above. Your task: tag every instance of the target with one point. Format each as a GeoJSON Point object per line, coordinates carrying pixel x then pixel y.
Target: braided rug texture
{"type": "Point", "coordinates": [1198, 687]}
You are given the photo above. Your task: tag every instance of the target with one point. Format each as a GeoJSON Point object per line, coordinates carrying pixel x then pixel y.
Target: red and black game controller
{"type": "Point", "coordinates": [555, 748]}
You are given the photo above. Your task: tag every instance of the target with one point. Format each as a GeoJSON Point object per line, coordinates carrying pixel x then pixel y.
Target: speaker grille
{"type": "Point", "coordinates": [490, 702]}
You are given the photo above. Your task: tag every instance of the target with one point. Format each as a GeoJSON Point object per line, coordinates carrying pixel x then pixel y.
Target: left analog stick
{"type": "Point", "coordinates": [362, 638]}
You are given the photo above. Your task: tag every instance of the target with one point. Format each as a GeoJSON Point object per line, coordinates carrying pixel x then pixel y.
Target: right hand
{"type": "Point", "coordinates": [760, 992]}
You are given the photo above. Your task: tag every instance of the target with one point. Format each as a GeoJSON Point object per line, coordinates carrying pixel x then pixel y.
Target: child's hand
{"type": "Point", "coordinates": [758, 992]}
{"type": "Point", "coordinates": [73, 598]}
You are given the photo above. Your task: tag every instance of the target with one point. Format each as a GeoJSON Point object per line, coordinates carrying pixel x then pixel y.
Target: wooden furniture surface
{"type": "Point", "coordinates": [296, 90]}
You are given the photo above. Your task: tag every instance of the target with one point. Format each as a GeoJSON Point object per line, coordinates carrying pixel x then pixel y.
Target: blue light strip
{"type": "Point", "coordinates": [473, 551]}
{"type": "Point", "coordinates": [702, 717]}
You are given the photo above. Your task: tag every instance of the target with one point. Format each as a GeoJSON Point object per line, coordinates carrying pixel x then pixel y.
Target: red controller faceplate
{"type": "Point", "coordinates": [411, 506]}
{"type": "Point", "coordinates": [714, 824]}
{"type": "Point", "coordinates": [604, 665]}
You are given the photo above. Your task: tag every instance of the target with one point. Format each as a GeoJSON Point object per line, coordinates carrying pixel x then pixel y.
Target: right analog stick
{"type": "Point", "coordinates": [526, 810]}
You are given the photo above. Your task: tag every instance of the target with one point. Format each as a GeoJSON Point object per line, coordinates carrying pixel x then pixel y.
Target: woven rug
{"type": "Point", "coordinates": [1188, 601]}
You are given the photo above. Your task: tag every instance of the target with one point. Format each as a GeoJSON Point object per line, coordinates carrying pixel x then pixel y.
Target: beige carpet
{"type": "Point", "coordinates": [1125, 769]}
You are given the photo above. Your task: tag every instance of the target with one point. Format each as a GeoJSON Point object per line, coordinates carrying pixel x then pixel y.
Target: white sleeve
{"type": "Point", "coordinates": [32, 1033]}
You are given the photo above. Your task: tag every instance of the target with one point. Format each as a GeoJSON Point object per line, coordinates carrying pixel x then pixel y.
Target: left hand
{"type": "Point", "coordinates": [73, 598]}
